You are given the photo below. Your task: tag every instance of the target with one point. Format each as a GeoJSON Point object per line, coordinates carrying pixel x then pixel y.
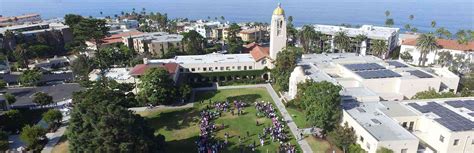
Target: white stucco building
{"type": "Point", "coordinates": [368, 78]}
{"type": "Point", "coordinates": [156, 43]}
{"type": "Point", "coordinates": [462, 51]}
{"type": "Point", "coordinates": [389, 35]}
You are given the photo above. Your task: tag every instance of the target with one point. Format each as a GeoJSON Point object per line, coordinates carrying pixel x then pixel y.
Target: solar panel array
{"type": "Point", "coordinates": [397, 64]}
{"type": "Point", "coordinates": [420, 74]}
{"type": "Point", "coordinates": [364, 66]}
{"type": "Point", "coordinates": [448, 118]}
{"type": "Point", "coordinates": [377, 74]}
{"type": "Point", "coordinates": [468, 104]}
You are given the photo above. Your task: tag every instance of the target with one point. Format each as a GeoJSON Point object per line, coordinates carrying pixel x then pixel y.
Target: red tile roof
{"type": "Point", "coordinates": [445, 44]}
{"type": "Point", "coordinates": [117, 38]}
{"type": "Point", "coordinates": [258, 52]}
{"type": "Point", "coordinates": [141, 68]}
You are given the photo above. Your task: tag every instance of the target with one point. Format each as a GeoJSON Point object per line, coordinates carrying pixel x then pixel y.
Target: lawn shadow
{"type": "Point", "coordinates": [175, 119]}
{"type": "Point", "coordinates": [249, 98]}
{"type": "Point", "coordinates": [205, 95]}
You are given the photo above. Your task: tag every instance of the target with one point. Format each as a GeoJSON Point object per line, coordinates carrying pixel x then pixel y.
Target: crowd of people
{"type": "Point", "coordinates": [275, 132]}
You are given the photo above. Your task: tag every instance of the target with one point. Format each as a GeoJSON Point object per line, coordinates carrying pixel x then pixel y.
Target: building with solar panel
{"type": "Point", "coordinates": [442, 125]}
{"type": "Point", "coordinates": [368, 78]}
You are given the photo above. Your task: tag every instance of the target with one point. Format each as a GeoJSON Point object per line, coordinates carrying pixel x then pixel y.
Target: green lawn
{"type": "Point", "coordinates": [180, 126]}
{"type": "Point", "coordinates": [298, 117]}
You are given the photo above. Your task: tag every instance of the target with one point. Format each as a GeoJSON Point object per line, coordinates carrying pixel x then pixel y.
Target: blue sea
{"type": "Point", "coordinates": [451, 14]}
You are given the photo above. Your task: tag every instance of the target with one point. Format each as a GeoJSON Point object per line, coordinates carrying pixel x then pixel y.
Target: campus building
{"type": "Point", "coordinates": [387, 34]}
{"type": "Point", "coordinates": [156, 43]}
{"type": "Point", "coordinates": [113, 39]}
{"type": "Point", "coordinates": [252, 34]}
{"type": "Point", "coordinates": [206, 28]}
{"type": "Point", "coordinates": [463, 52]}
{"type": "Point", "coordinates": [12, 20]}
{"type": "Point", "coordinates": [368, 78]}
{"type": "Point", "coordinates": [433, 125]}
{"type": "Point", "coordinates": [31, 31]}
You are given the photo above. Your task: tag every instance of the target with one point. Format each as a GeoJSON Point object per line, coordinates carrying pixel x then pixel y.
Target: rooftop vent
{"type": "Point", "coordinates": [376, 121]}
{"type": "Point", "coordinates": [361, 110]}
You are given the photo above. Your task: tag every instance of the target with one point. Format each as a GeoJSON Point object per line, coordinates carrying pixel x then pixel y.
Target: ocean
{"type": "Point", "coordinates": [451, 14]}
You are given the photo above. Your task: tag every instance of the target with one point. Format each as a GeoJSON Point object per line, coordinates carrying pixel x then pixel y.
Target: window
{"type": "Point", "coordinates": [181, 70]}
{"type": "Point", "coordinates": [410, 128]}
{"type": "Point", "coordinates": [193, 69]}
{"type": "Point", "coordinates": [210, 68]}
{"type": "Point", "coordinates": [361, 139]}
{"type": "Point", "coordinates": [233, 67]}
{"type": "Point", "coordinates": [238, 67]}
{"type": "Point", "coordinates": [404, 150]}
{"type": "Point", "coordinates": [204, 69]}
{"type": "Point", "coordinates": [245, 67]}
{"type": "Point", "coordinates": [472, 141]}
{"type": "Point", "coordinates": [456, 142]}
{"type": "Point", "coordinates": [250, 67]}
{"type": "Point", "coordinates": [227, 68]}
{"type": "Point", "coordinates": [441, 138]}
{"type": "Point", "coordinates": [404, 124]}
{"type": "Point", "coordinates": [222, 68]}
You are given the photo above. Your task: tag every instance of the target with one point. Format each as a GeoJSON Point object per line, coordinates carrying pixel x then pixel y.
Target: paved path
{"type": "Point", "coordinates": [53, 139]}
{"type": "Point", "coordinates": [142, 109]}
{"type": "Point", "coordinates": [293, 128]}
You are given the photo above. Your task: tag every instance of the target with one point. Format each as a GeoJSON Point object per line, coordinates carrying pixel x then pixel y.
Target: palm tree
{"type": "Point", "coordinates": [444, 59]}
{"type": "Point", "coordinates": [101, 13]}
{"type": "Point", "coordinates": [464, 37]}
{"type": "Point", "coordinates": [387, 13]}
{"type": "Point", "coordinates": [407, 27]}
{"type": "Point", "coordinates": [307, 38]}
{"type": "Point", "coordinates": [389, 22]}
{"type": "Point", "coordinates": [379, 47]}
{"type": "Point", "coordinates": [414, 29]}
{"type": "Point", "coordinates": [342, 41]}
{"type": "Point", "coordinates": [443, 33]}
{"type": "Point", "coordinates": [433, 24]}
{"type": "Point", "coordinates": [411, 17]}
{"type": "Point", "coordinates": [222, 18]}
{"type": "Point", "coordinates": [359, 39]}
{"type": "Point", "coordinates": [426, 43]}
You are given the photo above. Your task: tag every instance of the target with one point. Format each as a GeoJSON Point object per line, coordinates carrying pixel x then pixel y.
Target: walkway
{"type": "Point", "coordinates": [293, 128]}
{"type": "Point", "coordinates": [53, 139]}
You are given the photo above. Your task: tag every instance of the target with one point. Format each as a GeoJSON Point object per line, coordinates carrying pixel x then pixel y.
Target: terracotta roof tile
{"type": "Point", "coordinates": [141, 68]}
{"type": "Point", "coordinates": [258, 52]}
{"type": "Point", "coordinates": [445, 44]}
{"type": "Point", "coordinates": [117, 38]}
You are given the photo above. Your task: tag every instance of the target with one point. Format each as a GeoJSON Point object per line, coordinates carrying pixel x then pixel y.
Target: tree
{"type": "Point", "coordinates": [291, 31]}
{"type": "Point", "coordinates": [406, 56]}
{"type": "Point", "coordinates": [53, 117]}
{"type": "Point", "coordinates": [284, 65]}
{"type": "Point", "coordinates": [72, 19]}
{"type": "Point", "coordinates": [444, 58]}
{"type": "Point", "coordinates": [384, 150]}
{"type": "Point", "coordinates": [431, 94]}
{"type": "Point", "coordinates": [39, 50]}
{"type": "Point", "coordinates": [464, 37]}
{"type": "Point", "coordinates": [342, 136]}
{"type": "Point", "coordinates": [308, 37]}
{"type": "Point", "coordinates": [91, 30]}
{"type": "Point", "coordinates": [156, 87]}
{"type": "Point", "coordinates": [407, 27]}
{"type": "Point", "coordinates": [355, 148]}
{"type": "Point", "coordinates": [321, 103]}
{"type": "Point", "coordinates": [411, 17]}
{"type": "Point", "coordinates": [234, 42]}
{"type": "Point", "coordinates": [34, 137]}
{"type": "Point", "coordinates": [3, 84]}
{"type": "Point", "coordinates": [100, 123]}
{"type": "Point", "coordinates": [22, 55]}
{"type": "Point", "coordinates": [42, 98]}
{"type": "Point", "coordinates": [4, 144]}
{"type": "Point", "coordinates": [359, 39]}
{"type": "Point", "coordinates": [414, 30]}
{"type": "Point", "coordinates": [81, 67]}
{"type": "Point", "coordinates": [342, 41]}
{"type": "Point", "coordinates": [10, 98]}
{"type": "Point", "coordinates": [185, 91]}
{"type": "Point", "coordinates": [426, 43]}
{"type": "Point", "coordinates": [379, 48]}
{"type": "Point", "coordinates": [194, 42]}
{"type": "Point", "coordinates": [389, 22]}
{"type": "Point", "coordinates": [433, 24]}
{"type": "Point", "coordinates": [30, 77]}
{"type": "Point", "coordinates": [443, 33]}
{"type": "Point", "coordinates": [387, 13]}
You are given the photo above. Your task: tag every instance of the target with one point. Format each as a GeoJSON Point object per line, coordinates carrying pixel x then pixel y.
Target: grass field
{"type": "Point", "coordinates": [180, 126]}
{"type": "Point", "coordinates": [62, 146]}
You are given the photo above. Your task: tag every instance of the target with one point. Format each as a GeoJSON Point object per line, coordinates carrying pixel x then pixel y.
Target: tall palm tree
{"type": "Point", "coordinates": [411, 17]}
{"type": "Point", "coordinates": [307, 36]}
{"type": "Point", "coordinates": [359, 39]}
{"type": "Point", "coordinates": [445, 58]}
{"type": "Point", "coordinates": [433, 24]}
{"type": "Point", "coordinates": [379, 47]}
{"type": "Point", "coordinates": [342, 41]}
{"type": "Point", "coordinates": [426, 43]}
{"type": "Point", "coordinates": [443, 33]}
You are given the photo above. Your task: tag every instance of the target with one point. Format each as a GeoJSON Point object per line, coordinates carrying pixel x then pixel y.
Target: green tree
{"type": "Point", "coordinates": [42, 98]}
{"type": "Point", "coordinates": [384, 150]}
{"type": "Point", "coordinates": [379, 48]}
{"type": "Point", "coordinates": [10, 98]}
{"type": "Point", "coordinates": [407, 27]}
{"type": "Point", "coordinates": [72, 19]}
{"type": "Point", "coordinates": [321, 103]}
{"type": "Point", "coordinates": [406, 56]}
{"type": "Point", "coordinates": [358, 40]}
{"type": "Point", "coordinates": [3, 84]}
{"type": "Point", "coordinates": [30, 77]}
{"type": "Point", "coordinates": [34, 137]}
{"type": "Point", "coordinates": [284, 65]}
{"type": "Point", "coordinates": [443, 33]}
{"type": "Point", "coordinates": [464, 37]}
{"type": "Point", "coordinates": [432, 94]}
{"type": "Point", "coordinates": [426, 43]}
{"type": "Point", "coordinates": [355, 148]}
{"type": "Point", "coordinates": [389, 22]}
{"type": "Point", "coordinates": [22, 55]}
{"type": "Point", "coordinates": [156, 87]}
{"type": "Point", "coordinates": [342, 41]}
{"type": "Point", "coordinates": [444, 58]}
{"type": "Point", "coordinates": [185, 91]}
{"type": "Point", "coordinates": [91, 30]}
{"type": "Point", "coordinates": [342, 136]}
{"type": "Point", "coordinates": [433, 24]}
{"type": "Point", "coordinates": [411, 17]}
{"type": "Point", "coordinates": [194, 42]}
{"type": "Point", "coordinates": [100, 123]}
{"type": "Point", "coordinates": [234, 42]}
{"type": "Point", "coordinates": [81, 67]}
{"type": "Point", "coordinates": [387, 13]}
{"type": "Point", "coordinates": [308, 38]}
{"type": "Point", "coordinates": [4, 144]}
{"type": "Point", "coordinates": [38, 51]}
{"type": "Point", "coordinates": [53, 117]}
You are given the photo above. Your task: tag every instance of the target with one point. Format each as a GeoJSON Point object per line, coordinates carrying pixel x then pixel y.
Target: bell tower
{"type": "Point", "coordinates": [277, 32]}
